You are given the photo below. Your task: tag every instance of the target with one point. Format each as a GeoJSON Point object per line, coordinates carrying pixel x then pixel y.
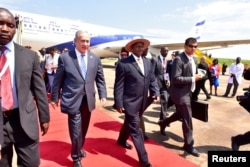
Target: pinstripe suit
{"type": "Point", "coordinates": [78, 94]}
{"type": "Point", "coordinates": [23, 123]}
{"type": "Point", "coordinates": [131, 92]}
{"type": "Point", "coordinates": [181, 81]}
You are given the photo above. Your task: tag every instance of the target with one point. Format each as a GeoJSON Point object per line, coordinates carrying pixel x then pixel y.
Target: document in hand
{"type": "Point", "coordinates": [202, 72]}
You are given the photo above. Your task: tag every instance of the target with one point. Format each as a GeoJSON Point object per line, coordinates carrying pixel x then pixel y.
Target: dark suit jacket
{"type": "Point", "coordinates": [70, 81]}
{"type": "Point", "coordinates": [29, 82]}
{"type": "Point", "coordinates": [131, 86]}
{"type": "Point", "coordinates": [169, 67]}
{"type": "Point", "coordinates": [181, 79]}
{"type": "Point", "coordinates": [204, 66]}
{"type": "Point", "coordinates": [159, 74]}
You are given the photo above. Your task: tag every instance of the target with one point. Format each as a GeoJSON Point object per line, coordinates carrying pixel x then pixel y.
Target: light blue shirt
{"type": "Point", "coordinates": [79, 58]}
{"type": "Point", "coordinates": [10, 55]}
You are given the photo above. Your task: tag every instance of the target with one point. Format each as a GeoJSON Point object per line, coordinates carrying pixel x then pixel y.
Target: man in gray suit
{"type": "Point", "coordinates": [134, 78]}
{"type": "Point", "coordinates": [183, 79]}
{"type": "Point", "coordinates": [22, 81]}
{"type": "Point", "coordinates": [160, 71]}
{"type": "Point", "coordinates": [78, 71]}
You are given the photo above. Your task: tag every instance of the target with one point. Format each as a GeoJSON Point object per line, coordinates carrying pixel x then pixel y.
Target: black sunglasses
{"type": "Point", "coordinates": [192, 46]}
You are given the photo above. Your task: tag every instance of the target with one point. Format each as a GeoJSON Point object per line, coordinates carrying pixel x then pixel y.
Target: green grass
{"type": "Point", "coordinates": [230, 61]}
{"type": "Point", "coordinates": [111, 61]}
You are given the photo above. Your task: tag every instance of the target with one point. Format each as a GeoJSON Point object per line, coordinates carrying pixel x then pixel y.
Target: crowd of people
{"type": "Point", "coordinates": [71, 76]}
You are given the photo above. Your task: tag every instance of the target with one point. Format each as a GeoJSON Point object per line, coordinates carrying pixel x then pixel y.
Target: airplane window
{"type": "Point", "coordinates": [30, 26]}
{"type": "Point", "coordinates": [40, 27]}
{"type": "Point", "coordinates": [25, 25]}
{"type": "Point", "coordinates": [44, 28]}
{"type": "Point", "coordinates": [53, 29]}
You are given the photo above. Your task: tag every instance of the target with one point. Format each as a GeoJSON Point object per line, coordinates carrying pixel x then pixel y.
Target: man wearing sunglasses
{"type": "Point", "coordinates": [183, 78]}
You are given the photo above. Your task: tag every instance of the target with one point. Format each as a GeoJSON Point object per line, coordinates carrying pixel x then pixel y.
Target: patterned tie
{"type": "Point", "coordinates": [83, 66]}
{"type": "Point", "coordinates": [6, 91]}
{"type": "Point", "coordinates": [140, 63]}
{"type": "Point", "coordinates": [164, 64]}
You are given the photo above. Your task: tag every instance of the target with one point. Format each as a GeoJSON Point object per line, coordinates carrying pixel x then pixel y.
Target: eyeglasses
{"type": "Point", "coordinates": [192, 46]}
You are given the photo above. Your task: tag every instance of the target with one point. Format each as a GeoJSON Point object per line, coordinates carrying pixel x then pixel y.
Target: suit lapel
{"type": "Point", "coordinates": [145, 67]}
{"type": "Point", "coordinates": [189, 65]}
{"type": "Point", "coordinates": [90, 63]}
{"type": "Point", "coordinates": [160, 63]}
{"type": "Point", "coordinates": [75, 61]}
{"type": "Point", "coordinates": [19, 62]}
{"type": "Point", "coordinates": [133, 61]}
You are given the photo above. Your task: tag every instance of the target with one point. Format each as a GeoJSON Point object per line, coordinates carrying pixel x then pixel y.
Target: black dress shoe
{"type": "Point", "coordinates": [83, 152]}
{"type": "Point", "coordinates": [192, 151]}
{"type": "Point", "coordinates": [208, 97]}
{"type": "Point", "coordinates": [125, 145]}
{"type": "Point", "coordinates": [162, 128]}
{"type": "Point", "coordinates": [145, 164]}
{"type": "Point", "coordinates": [77, 164]}
{"type": "Point", "coordinates": [234, 145]}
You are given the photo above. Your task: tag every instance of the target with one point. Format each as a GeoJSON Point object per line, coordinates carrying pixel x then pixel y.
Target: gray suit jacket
{"type": "Point", "coordinates": [181, 79]}
{"type": "Point", "coordinates": [159, 74]}
{"type": "Point", "coordinates": [29, 83]}
{"type": "Point", "coordinates": [70, 82]}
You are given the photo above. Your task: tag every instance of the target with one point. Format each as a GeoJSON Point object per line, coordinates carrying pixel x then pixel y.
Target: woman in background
{"type": "Point", "coordinates": [214, 77]}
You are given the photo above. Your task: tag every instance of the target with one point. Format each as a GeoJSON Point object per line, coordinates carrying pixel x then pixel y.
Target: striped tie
{"type": "Point", "coordinates": [83, 66]}
{"type": "Point", "coordinates": [6, 91]}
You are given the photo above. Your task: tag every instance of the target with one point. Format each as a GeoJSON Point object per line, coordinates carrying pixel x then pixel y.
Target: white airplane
{"type": "Point", "coordinates": [40, 31]}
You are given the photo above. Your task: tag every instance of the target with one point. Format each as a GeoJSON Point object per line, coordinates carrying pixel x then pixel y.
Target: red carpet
{"type": "Point", "coordinates": [100, 145]}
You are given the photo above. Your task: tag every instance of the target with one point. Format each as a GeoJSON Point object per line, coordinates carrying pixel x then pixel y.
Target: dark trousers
{"type": "Point", "coordinates": [229, 86]}
{"type": "Point", "coordinates": [164, 104]}
{"type": "Point", "coordinates": [243, 139]}
{"type": "Point", "coordinates": [170, 102]}
{"type": "Point", "coordinates": [184, 112]}
{"type": "Point", "coordinates": [78, 127]}
{"type": "Point", "coordinates": [27, 150]}
{"type": "Point", "coordinates": [131, 127]}
{"type": "Point", "coordinates": [200, 85]}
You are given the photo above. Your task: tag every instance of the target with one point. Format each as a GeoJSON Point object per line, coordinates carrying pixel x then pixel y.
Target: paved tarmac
{"type": "Point", "coordinates": [226, 118]}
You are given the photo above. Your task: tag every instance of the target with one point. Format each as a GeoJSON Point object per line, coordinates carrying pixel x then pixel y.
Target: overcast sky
{"type": "Point", "coordinates": [225, 19]}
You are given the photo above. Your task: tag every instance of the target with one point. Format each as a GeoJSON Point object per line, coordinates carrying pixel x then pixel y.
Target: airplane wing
{"type": "Point", "coordinates": [204, 45]}
{"type": "Point", "coordinates": [154, 48]}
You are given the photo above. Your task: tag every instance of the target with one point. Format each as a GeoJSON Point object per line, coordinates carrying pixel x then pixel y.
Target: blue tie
{"type": "Point", "coordinates": [83, 66]}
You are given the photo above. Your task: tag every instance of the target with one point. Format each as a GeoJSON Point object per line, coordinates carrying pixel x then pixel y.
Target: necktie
{"type": "Point", "coordinates": [5, 82]}
{"type": "Point", "coordinates": [140, 63]}
{"type": "Point", "coordinates": [83, 66]}
{"type": "Point", "coordinates": [164, 65]}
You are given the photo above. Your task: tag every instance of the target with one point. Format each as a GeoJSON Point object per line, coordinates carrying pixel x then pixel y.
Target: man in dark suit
{"type": "Point", "coordinates": [22, 81]}
{"type": "Point", "coordinates": [169, 71]}
{"type": "Point", "coordinates": [134, 78]}
{"type": "Point", "coordinates": [160, 71]}
{"type": "Point", "coordinates": [78, 71]}
{"type": "Point", "coordinates": [182, 84]}
{"type": "Point", "coordinates": [200, 85]}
